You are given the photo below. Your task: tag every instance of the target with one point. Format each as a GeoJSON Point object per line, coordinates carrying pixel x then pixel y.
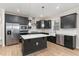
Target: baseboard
{"type": "Point", "coordinates": [77, 47]}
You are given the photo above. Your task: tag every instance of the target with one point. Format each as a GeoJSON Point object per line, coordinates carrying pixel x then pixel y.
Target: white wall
{"type": "Point", "coordinates": [2, 27]}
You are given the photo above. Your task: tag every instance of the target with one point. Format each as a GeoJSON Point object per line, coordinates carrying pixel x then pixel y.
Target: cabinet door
{"type": "Point", "coordinates": [52, 39]}
{"type": "Point", "coordinates": [47, 23]}
{"type": "Point", "coordinates": [23, 20]}
{"type": "Point", "coordinates": [38, 24]}
{"type": "Point", "coordinates": [16, 19]}
{"type": "Point", "coordinates": [38, 43]}
{"type": "Point", "coordinates": [32, 45]}
{"type": "Point", "coordinates": [11, 18]}
{"type": "Point", "coordinates": [68, 41]}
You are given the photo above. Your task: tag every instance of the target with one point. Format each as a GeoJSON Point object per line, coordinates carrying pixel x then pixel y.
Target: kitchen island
{"type": "Point", "coordinates": [33, 42]}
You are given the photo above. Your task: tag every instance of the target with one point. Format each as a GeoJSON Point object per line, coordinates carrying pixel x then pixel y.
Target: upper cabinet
{"type": "Point", "coordinates": [47, 24]}
{"type": "Point", "coordinates": [38, 24]}
{"type": "Point", "coordinates": [23, 20]}
{"type": "Point", "coordinates": [68, 21]}
{"type": "Point", "coordinates": [43, 24]}
{"type": "Point", "coordinates": [16, 19]}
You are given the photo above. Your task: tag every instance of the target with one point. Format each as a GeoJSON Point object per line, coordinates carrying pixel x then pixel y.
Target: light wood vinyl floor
{"type": "Point", "coordinates": [51, 50]}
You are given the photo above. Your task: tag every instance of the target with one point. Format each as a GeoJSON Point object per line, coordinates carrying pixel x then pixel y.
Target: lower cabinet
{"type": "Point", "coordinates": [32, 45]}
{"type": "Point", "coordinates": [52, 39]}
{"type": "Point", "coordinates": [70, 41]}
{"type": "Point", "coordinates": [64, 40]}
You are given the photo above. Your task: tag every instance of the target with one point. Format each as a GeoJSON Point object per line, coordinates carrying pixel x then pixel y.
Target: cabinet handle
{"type": "Point", "coordinates": [29, 40]}
{"type": "Point", "coordinates": [22, 41]}
{"type": "Point", "coordinates": [37, 43]}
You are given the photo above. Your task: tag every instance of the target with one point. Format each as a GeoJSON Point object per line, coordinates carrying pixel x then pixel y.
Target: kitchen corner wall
{"type": "Point", "coordinates": [50, 31]}
{"type": "Point", "coordinates": [2, 27]}
{"type": "Point", "coordinates": [57, 18]}
{"type": "Point", "coordinates": [70, 31]}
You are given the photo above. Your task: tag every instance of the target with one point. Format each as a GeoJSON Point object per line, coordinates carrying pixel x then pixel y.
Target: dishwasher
{"type": "Point", "coordinates": [60, 39]}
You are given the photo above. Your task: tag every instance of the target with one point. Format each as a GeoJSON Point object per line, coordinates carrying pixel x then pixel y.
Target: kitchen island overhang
{"type": "Point", "coordinates": [33, 42]}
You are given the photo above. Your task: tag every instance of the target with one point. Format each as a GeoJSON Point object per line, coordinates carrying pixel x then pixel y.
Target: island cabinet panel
{"type": "Point", "coordinates": [52, 39]}
{"type": "Point", "coordinates": [32, 45]}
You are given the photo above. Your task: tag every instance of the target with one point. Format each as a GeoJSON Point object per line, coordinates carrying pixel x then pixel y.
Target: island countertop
{"type": "Point", "coordinates": [30, 36]}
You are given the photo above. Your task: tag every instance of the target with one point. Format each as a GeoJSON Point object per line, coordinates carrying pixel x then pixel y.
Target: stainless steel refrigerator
{"type": "Point", "coordinates": [12, 33]}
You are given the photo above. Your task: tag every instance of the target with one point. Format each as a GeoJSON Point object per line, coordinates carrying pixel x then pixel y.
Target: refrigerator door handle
{"type": "Point", "coordinates": [9, 32]}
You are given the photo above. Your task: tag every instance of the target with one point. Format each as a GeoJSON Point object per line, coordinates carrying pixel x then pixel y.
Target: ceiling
{"type": "Point", "coordinates": [35, 10]}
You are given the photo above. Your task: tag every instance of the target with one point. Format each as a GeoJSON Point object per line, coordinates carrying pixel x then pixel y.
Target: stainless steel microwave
{"type": "Point", "coordinates": [23, 27]}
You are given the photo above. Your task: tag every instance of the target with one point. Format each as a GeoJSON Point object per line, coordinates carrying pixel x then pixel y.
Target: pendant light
{"type": "Point", "coordinates": [29, 24]}
{"type": "Point", "coordinates": [42, 25]}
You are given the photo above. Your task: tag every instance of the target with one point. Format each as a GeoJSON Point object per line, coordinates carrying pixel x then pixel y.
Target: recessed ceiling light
{"type": "Point", "coordinates": [18, 10]}
{"type": "Point", "coordinates": [41, 15]}
{"type": "Point", "coordinates": [57, 7]}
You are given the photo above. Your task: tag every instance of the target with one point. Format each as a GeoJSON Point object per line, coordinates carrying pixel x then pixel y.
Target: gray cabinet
{"type": "Point", "coordinates": [46, 24]}
{"type": "Point", "coordinates": [70, 41]}
{"type": "Point", "coordinates": [38, 24]}
{"type": "Point", "coordinates": [16, 19]}
{"type": "Point", "coordinates": [68, 21]}
{"type": "Point", "coordinates": [66, 41]}
{"type": "Point", "coordinates": [32, 45]}
{"type": "Point", "coordinates": [52, 39]}
{"type": "Point", "coordinates": [23, 20]}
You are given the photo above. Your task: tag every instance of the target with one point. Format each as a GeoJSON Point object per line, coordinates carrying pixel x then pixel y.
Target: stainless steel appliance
{"type": "Point", "coordinates": [12, 33]}
{"type": "Point", "coordinates": [23, 28]}
{"type": "Point", "coordinates": [60, 40]}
